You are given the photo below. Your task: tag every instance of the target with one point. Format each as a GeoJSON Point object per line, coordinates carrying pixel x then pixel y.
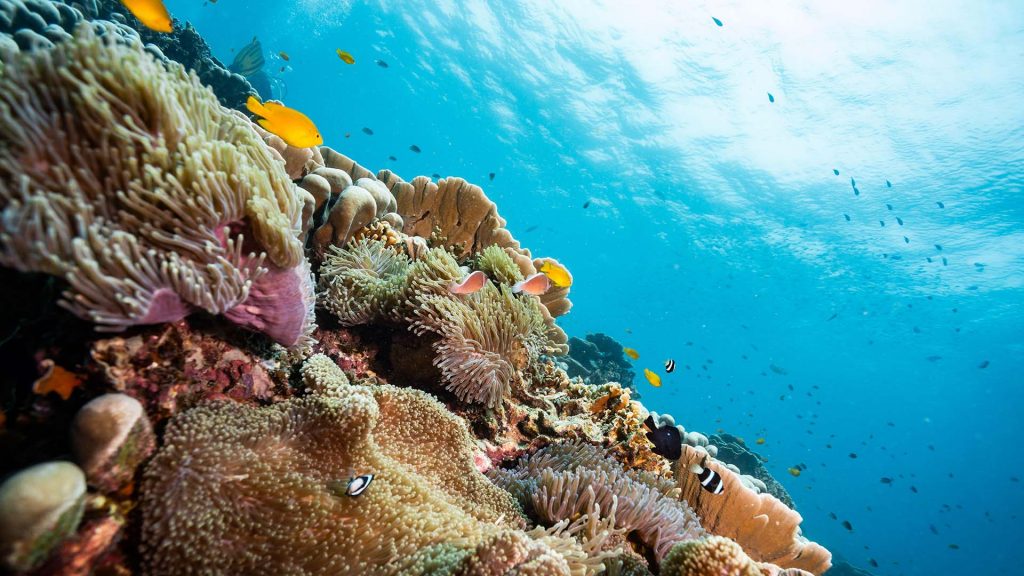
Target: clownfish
{"type": "Point", "coordinates": [292, 126]}
{"type": "Point", "coordinates": [535, 284]}
{"type": "Point", "coordinates": [152, 13]}
{"type": "Point", "coordinates": [666, 439]}
{"type": "Point", "coordinates": [709, 479]}
{"type": "Point", "coordinates": [470, 284]}
{"type": "Point", "coordinates": [354, 487]}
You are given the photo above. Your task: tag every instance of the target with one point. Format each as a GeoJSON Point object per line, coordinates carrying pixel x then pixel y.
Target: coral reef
{"type": "Point", "coordinates": [766, 529]}
{"type": "Point", "coordinates": [711, 556]}
{"type": "Point", "coordinates": [180, 208]}
{"type": "Point", "coordinates": [732, 451]}
{"type": "Point", "coordinates": [564, 481]}
{"type": "Point", "coordinates": [598, 359]}
{"type": "Point", "coordinates": [111, 436]}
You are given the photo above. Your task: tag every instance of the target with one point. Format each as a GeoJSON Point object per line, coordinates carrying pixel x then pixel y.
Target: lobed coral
{"type": "Point", "coordinates": [126, 178]}
{"type": "Point", "coordinates": [766, 529]}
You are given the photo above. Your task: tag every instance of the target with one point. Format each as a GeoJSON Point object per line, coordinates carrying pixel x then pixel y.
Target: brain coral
{"type": "Point", "coordinates": [766, 529]}
{"type": "Point", "coordinates": [244, 490]}
{"type": "Point", "coordinates": [125, 177]}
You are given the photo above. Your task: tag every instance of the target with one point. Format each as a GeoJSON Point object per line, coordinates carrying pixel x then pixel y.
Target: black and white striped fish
{"type": "Point", "coordinates": [709, 479]}
{"type": "Point", "coordinates": [355, 486]}
{"type": "Point", "coordinates": [670, 365]}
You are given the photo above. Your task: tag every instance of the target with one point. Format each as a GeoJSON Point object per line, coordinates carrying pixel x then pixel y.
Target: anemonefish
{"type": "Point", "coordinates": [470, 284]}
{"type": "Point", "coordinates": [345, 56]}
{"type": "Point", "coordinates": [670, 365]}
{"type": "Point", "coordinates": [709, 479]}
{"type": "Point", "coordinates": [666, 439]}
{"type": "Point", "coordinates": [535, 284]}
{"type": "Point", "coordinates": [152, 13]}
{"type": "Point", "coordinates": [558, 274]}
{"type": "Point", "coordinates": [354, 487]}
{"type": "Point", "coordinates": [653, 378]}
{"type": "Point", "coordinates": [631, 353]}
{"type": "Point", "coordinates": [292, 126]}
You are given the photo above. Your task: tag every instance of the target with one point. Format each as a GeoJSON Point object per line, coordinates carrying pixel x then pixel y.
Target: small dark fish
{"type": "Point", "coordinates": [435, 176]}
{"type": "Point", "coordinates": [856, 192]}
{"type": "Point", "coordinates": [717, 21]}
{"type": "Point", "coordinates": [586, 204]}
{"type": "Point", "coordinates": [381, 63]}
{"type": "Point", "coordinates": [889, 206]}
{"type": "Point", "coordinates": [1014, 479]}
{"type": "Point", "coordinates": [933, 529]}
{"type": "Point", "coordinates": [666, 439]}
{"type": "Point", "coordinates": [847, 525]}
{"type": "Point", "coordinates": [847, 216]}
{"type": "Point", "coordinates": [853, 182]}
{"type": "Point", "coordinates": [833, 515]}
{"type": "Point", "coordinates": [670, 365]}
{"type": "Point", "coordinates": [888, 184]}
{"type": "Point", "coordinates": [491, 176]}
{"type": "Point", "coordinates": [944, 261]}
{"type": "Point", "coordinates": [913, 489]}
{"type": "Point", "coordinates": [392, 158]}
{"type": "Point", "coordinates": [709, 479]}
{"type": "Point", "coordinates": [532, 228]}
{"type": "Point", "coordinates": [835, 171]}
{"type": "Point", "coordinates": [941, 205]}
{"type": "Point", "coordinates": [367, 131]}
{"type": "Point", "coordinates": [771, 99]}
{"type": "Point", "coordinates": [917, 330]}
{"type": "Point", "coordinates": [415, 148]}
{"type": "Point", "coordinates": [853, 455]}
{"type": "Point", "coordinates": [954, 547]}
{"type": "Point", "coordinates": [984, 364]}
{"type": "Point", "coordinates": [886, 480]}
{"type": "Point", "coordinates": [873, 562]}
{"type": "Point", "coordinates": [882, 222]}
{"type": "Point", "coordinates": [832, 317]}
{"type": "Point", "coordinates": [938, 247]}
{"type": "Point", "coordinates": [906, 240]}
{"type": "Point", "coordinates": [778, 369]}
{"type": "Point", "coordinates": [899, 221]}
{"type": "Point", "coordinates": [928, 258]}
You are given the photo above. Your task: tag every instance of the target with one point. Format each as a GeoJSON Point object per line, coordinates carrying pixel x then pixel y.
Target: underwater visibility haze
{"type": "Point", "coordinates": [804, 223]}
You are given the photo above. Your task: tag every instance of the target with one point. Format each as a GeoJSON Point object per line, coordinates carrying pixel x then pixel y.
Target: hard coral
{"type": "Point", "coordinates": [711, 556]}
{"type": "Point", "coordinates": [766, 529]}
{"type": "Point", "coordinates": [125, 177]}
{"type": "Point", "coordinates": [238, 489]}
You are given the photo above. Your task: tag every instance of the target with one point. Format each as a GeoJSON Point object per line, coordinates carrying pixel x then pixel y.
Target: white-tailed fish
{"type": "Point", "coordinates": [535, 284]}
{"type": "Point", "coordinates": [709, 479]}
{"type": "Point", "coordinates": [470, 284]}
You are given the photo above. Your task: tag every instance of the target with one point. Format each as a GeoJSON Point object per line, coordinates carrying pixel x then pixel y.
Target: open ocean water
{"type": "Point", "coordinates": [868, 324]}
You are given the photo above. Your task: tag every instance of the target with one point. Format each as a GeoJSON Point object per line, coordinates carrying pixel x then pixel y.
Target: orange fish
{"type": "Point", "coordinates": [536, 284]}
{"type": "Point", "coordinates": [558, 274]}
{"type": "Point", "coordinates": [152, 13]}
{"type": "Point", "coordinates": [56, 379]}
{"type": "Point", "coordinates": [294, 127]}
{"type": "Point", "coordinates": [631, 353]}
{"type": "Point", "coordinates": [283, 55]}
{"type": "Point", "coordinates": [470, 284]}
{"type": "Point", "coordinates": [653, 378]}
{"type": "Point", "coordinates": [345, 56]}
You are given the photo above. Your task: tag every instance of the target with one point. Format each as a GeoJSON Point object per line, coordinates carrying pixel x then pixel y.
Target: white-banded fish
{"type": "Point", "coordinates": [709, 479]}
{"type": "Point", "coordinates": [670, 365]}
{"type": "Point", "coordinates": [355, 486]}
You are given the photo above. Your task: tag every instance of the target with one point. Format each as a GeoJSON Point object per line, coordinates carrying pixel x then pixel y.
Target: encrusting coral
{"type": "Point", "coordinates": [766, 529]}
{"type": "Point", "coordinates": [125, 177]}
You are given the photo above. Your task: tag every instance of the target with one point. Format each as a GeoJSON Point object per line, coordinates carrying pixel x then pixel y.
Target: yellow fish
{"type": "Point", "coordinates": [294, 127]}
{"type": "Point", "coordinates": [345, 56]}
{"type": "Point", "coordinates": [794, 471]}
{"type": "Point", "coordinates": [283, 55]}
{"type": "Point", "coordinates": [760, 441]}
{"type": "Point", "coordinates": [631, 353]}
{"type": "Point", "coordinates": [152, 13]}
{"type": "Point", "coordinates": [653, 378]}
{"type": "Point", "coordinates": [559, 276]}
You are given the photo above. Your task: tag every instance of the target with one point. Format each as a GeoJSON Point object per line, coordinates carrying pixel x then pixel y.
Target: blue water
{"type": "Point", "coordinates": [715, 233]}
